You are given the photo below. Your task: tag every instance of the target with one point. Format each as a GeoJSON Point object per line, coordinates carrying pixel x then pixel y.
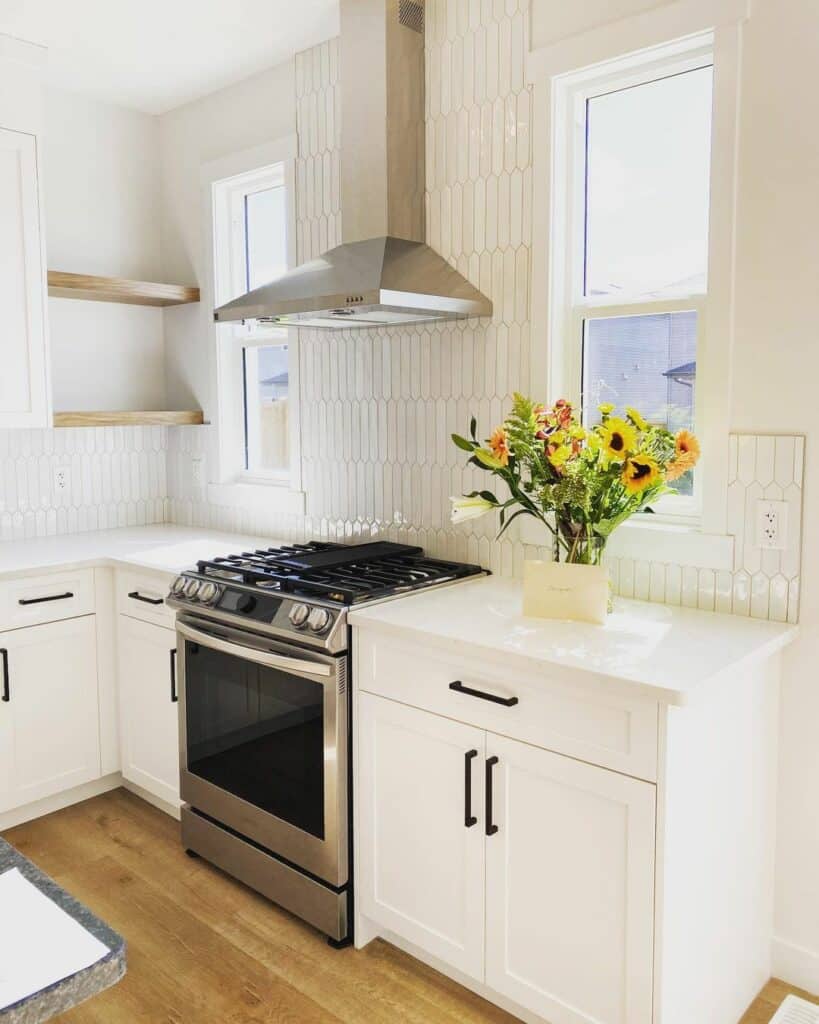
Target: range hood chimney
{"type": "Point", "coordinates": [383, 272]}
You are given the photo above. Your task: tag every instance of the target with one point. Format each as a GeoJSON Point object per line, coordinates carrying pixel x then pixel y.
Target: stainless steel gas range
{"type": "Point", "coordinates": [265, 724]}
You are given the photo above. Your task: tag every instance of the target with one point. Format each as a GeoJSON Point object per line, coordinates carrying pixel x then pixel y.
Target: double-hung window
{"type": "Point", "coordinates": [257, 363]}
{"type": "Point", "coordinates": [632, 163]}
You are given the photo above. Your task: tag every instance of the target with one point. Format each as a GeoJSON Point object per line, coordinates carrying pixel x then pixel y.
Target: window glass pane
{"type": "Point", "coordinates": [267, 387]}
{"type": "Point", "coordinates": [648, 163]}
{"type": "Point", "coordinates": [266, 233]}
{"type": "Point", "coordinates": [648, 362]}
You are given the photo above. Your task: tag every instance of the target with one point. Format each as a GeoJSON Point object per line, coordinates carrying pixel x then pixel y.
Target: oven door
{"type": "Point", "coordinates": [263, 742]}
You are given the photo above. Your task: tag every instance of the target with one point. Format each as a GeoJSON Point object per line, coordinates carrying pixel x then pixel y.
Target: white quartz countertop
{"type": "Point", "coordinates": [670, 653]}
{"type": "Point", "coordinates": [160, 548]}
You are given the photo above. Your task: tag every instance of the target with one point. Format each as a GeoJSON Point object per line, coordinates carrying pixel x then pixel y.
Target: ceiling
{"type": "Point", "coordinates": [153, 55]}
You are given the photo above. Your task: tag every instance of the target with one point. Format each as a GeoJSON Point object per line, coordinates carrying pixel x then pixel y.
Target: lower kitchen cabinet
{"type": "Point", "coordinates": [569, 887]}
{"type": "Point", "coordinates": [49, 724]}
{"type": "Point", "coordinates": [148, 707]}
{"type": "Point", "coordinates": [422, 866]}
{"type": "Point", "coordinates": [526, 870]}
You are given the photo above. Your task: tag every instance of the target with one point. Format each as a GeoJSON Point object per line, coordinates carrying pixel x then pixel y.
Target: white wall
{"type": "Point", "coordinates": [101, 171]}
{"type": "Point", "coordinates": [255, 111]}
{"type": "Point", "coordinates": [774, 387]}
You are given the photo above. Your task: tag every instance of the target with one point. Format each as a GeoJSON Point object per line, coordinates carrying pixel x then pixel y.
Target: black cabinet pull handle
{"type": "Point", "coordinates": [6, 689]}
{"type": "Point", "coordinates": [458, 687]}
{"type": "Point", "coordinates": [469, 817]}
{"type": "Point", "coordinates": [136, 596]}
{"type": "Point", "coordinates": [491, 828]}
{"type": "Point", "coordinates": [42, 600]}
{"type": "Point", "coordinates": [174, 694]}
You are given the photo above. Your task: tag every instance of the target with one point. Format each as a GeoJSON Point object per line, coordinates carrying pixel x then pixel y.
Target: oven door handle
{"type": "Point", "coordinates": [267, 658]}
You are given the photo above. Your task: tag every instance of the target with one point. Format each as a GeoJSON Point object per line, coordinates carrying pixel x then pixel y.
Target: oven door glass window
{"type": "Point", "coordinates": [258, 733]}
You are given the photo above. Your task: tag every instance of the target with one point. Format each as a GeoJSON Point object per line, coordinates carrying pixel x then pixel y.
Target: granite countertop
{"type": "Point", "coordinates": [75, 989]}
{"type": "Point", "coordinates": [167, 549]}
{"type": "Point", "coordinates": [670, 654]}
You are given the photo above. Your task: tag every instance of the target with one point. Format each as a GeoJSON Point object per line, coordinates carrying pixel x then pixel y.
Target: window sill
{"type": "Point", "coordinates": [258, 497]}
{"type": "Point", "coordinates": [656, 542]}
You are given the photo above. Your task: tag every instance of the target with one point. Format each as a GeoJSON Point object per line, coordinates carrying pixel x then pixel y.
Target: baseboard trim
{"type": "Point", "coordinates": [796, 965]}
{"type": "Point", "coordinates": [20, 815]}
{"type": "Point", "coordinates": [155, 801]}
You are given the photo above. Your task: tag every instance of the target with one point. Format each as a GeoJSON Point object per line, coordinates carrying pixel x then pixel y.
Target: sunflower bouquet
{"type": "Point", "coordinates": [580, 482]}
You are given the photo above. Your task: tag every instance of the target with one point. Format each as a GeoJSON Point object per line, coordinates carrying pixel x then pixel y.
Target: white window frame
{"type": "Point", "coordinates": [571, 307]}
{"type": "Point", "coordinates": [225, 184]}
{"type": "Point", "coordinates": [681, 31]}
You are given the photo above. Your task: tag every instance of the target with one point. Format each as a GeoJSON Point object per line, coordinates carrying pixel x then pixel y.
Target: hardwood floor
{"type": "Point", "coordinates": [202, 948]}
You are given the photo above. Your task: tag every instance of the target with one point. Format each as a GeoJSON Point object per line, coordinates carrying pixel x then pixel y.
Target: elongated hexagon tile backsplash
{"type": "Point", "coordinates": [378, 406]}
{"type": "Point", "coordinates": [116, 476]}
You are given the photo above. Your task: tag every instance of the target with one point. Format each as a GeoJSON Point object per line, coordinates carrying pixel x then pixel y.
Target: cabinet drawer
{"type": "Point", "coordinates": [36, 599]}
{"type": "Point", "coordinates": [142, 596]}
{"type": "Point", "coordinates": [546, 710]}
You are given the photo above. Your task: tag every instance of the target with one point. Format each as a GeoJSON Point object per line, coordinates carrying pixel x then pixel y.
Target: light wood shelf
{"type": "Point", "coordinates": [162, 418]}
{"type": "Point", "coordinates": [118, 289]}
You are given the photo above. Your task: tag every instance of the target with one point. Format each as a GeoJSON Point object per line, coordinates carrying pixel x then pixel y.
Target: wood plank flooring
{"type": "Point", "coordinates": [203, 948]}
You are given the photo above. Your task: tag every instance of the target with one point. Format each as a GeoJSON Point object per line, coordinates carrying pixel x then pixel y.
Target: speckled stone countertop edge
{"type": "Point", "coordinates": [75, 989]}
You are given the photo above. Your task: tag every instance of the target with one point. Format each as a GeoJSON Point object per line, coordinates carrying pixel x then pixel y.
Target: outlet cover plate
{"type": "Point", "coordinates": [772, 525]}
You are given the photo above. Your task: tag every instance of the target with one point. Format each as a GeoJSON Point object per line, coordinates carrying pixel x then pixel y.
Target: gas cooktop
{"type": "Point", "coordinates": [305, 588]}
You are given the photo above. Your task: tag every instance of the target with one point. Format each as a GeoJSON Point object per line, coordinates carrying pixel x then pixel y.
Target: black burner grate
{"type": "Point", "coordinates": [347, 573]}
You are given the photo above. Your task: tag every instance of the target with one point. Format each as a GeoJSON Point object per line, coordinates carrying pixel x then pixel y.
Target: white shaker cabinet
{"type": "Point", "coordinates": [148, 707]}
{"type": "Point", "coordinates": [24, 388]}
{"type": "Point", "coordinates": [423, 858]}
{"type": "Point", "coordinates": [569, 887]}
{"type": "Point", "coordinates": [49, 727]}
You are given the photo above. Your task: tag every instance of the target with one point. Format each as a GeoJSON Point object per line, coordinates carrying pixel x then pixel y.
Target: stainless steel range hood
{"type": "Point", "coordinates": [384, 272]}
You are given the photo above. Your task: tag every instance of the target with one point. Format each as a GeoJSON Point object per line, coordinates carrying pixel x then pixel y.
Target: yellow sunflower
{"type": "Point", "coordinates": [639, 473]}
{"type": "Point", "coordinates": [636, 418]}
{"type": "Point", "coordinates": [687, 454]}
{"type": "Point", "coordinates": [618, 438]}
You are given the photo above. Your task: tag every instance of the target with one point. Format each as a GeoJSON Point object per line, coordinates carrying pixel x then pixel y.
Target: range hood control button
{"type": "Point", "coordinates": [298, 616]}
{"type": "Point", "coordinates": [318, 620]}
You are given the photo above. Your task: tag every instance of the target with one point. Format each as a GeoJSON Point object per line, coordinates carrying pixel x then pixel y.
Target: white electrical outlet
{"type": "Point", "coordinates": [772, 525]}
{"type": "Point", "coordinates": [62, 479]}
{"type": "Point", "coordinates": [198, 473]}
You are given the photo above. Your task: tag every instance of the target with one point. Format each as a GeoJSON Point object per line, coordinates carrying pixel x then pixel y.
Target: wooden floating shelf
{"type": "Point", "coordinates": [118, 289]}
{"type": "Point", "coordinates": [128, 419]}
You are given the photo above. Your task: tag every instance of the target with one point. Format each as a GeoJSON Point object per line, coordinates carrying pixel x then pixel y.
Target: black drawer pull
{"type": "Point", "coordinates": [458, 687]}
{"type": "Point", "coordinates": [174, 694]}
{"type": "Point", "coordinates": [469, 817]}
{"type": "Point", "coordinates": [6, 690]}
{"type": "Point", "coordinates": [42, 600]}
{"type": "Point", "coordinates": [136, 596]}
{"type": "Point", "coordinates": [491, 827]}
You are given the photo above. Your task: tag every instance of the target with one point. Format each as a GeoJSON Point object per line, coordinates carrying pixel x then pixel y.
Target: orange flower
{"type": "Point", "coordinates": [687, 449]}
{"type": "Point", "coordinates": [500, 446]}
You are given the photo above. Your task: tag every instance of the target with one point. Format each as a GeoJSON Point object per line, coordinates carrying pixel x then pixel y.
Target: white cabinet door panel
{"type": "Point", "coordinates": [570, 888]}
{"type": "Point", "coordinates": [49, 719]}
{"type": "Point", "coordinates": [148, 709]}
{"type": "Point", "coordinates": [24, 380]}
{"type": "Point", "coordinates": [421, 868]}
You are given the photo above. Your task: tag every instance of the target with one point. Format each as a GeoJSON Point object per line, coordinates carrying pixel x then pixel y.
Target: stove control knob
{"type": "Point", "coordinates": [318, 620]}
{"type": "Point", "coordinates": [192, 589]}
{"type": "Point", "coordinates": [178, 585]}
{"type": "Point", "coordinates": [246, 603]}
{"type": "Point", "coordinates": [298, 616]}
{"type": "Point", "coordinates": [207, 592]}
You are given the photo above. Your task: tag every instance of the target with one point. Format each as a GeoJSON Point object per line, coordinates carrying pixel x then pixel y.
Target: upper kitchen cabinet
{"type": "Point", "coordinates": [24, 387]}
